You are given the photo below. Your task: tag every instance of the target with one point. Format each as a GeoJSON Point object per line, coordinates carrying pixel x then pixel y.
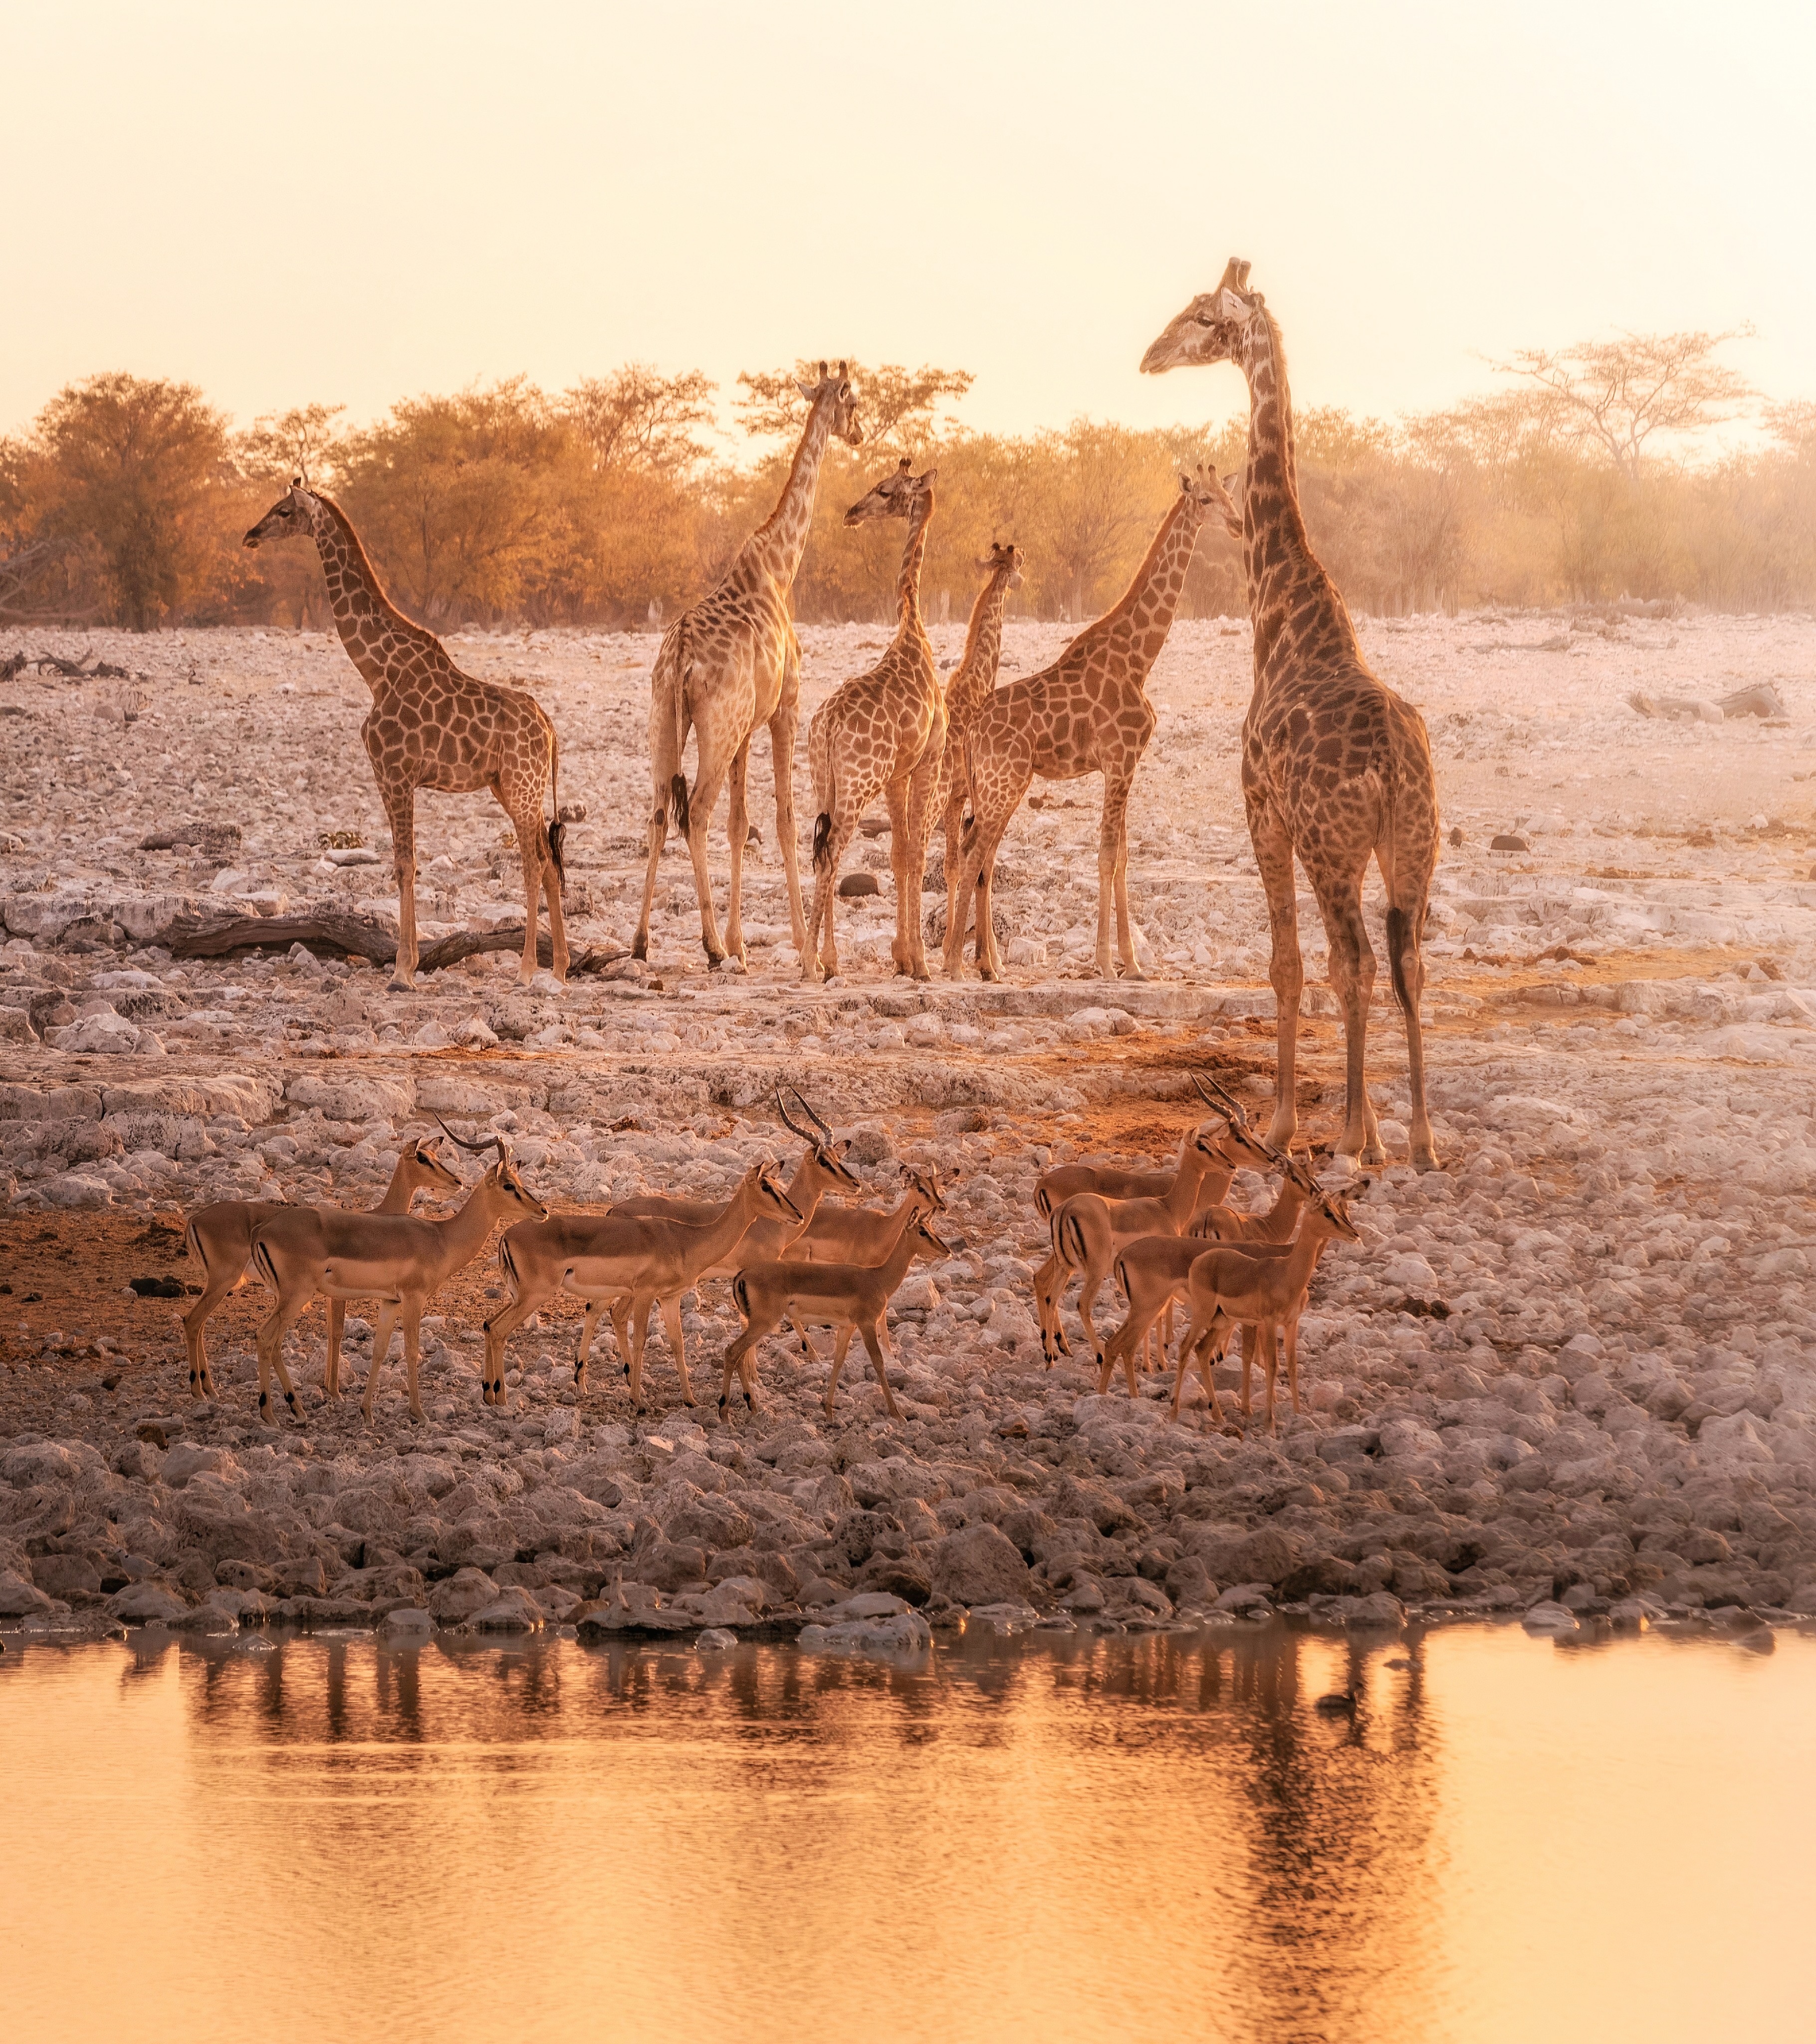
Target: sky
{"type": "Point", "coordinates": [355, 203]}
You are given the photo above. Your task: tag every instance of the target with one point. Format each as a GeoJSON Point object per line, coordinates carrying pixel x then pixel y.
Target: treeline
{"type": "Point", "coordinates": [615, 502]}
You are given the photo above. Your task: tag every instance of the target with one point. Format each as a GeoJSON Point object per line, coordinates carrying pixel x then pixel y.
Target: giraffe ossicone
{"type": "Point", "coordinates": [432, 726]}
{"type": "Point", "coordinates": [1336, 767]}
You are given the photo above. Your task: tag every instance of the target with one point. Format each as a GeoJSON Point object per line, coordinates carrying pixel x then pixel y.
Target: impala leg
{"type": "Point", "coordinates": [412, 1328]}
{"type": "Point", "coordinates": [877, 1342]}
{"type": "Point", "coordinates": [1271, 1359]}
{"type": "Point", "coordinates": [215, 1290]}
{"type": "Point", "coordinates": [1210, 1355]}
{"type": "Point", "coordinates": [1049, 1282]}
{"type": "Point", "coordinates": [380, 1351]}
{"type": "Point", "coordinates": [499, 1330]}
{"type": "Point", "coordinates": [283, 1317]}
{"type": "Point", "coordinates": [336, 1325]}
{"type": "Point", "coordinates": [641, 1303]}
{"type": "Point", "coordinates": [588, 1320]}
{"type": "Point", "coordinates": [1185, 1354]}
{"type": "Point", "coordinates": [677, 1341]}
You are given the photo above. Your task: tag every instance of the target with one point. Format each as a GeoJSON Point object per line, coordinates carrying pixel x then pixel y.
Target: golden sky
{"type": "Point", "coordinates": [357, 201]}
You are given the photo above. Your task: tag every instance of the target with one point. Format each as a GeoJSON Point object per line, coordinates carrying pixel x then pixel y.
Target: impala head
{"type": "Point", "coordinates": [292, 517]}
{"type": "Point", "coordinates": [1299, 1172]}
{"type": "Point", "coordinates": [512, 1193]}
{"type": "Point", "coordinates": [926, 1243]}
{"type": "Point", "coordinates": [427, 1168]}
{"type": "Point", "coordinates": [828, 1157]}
{"type": "Point", "coordinates": [1331, 1211]}
{"type": "Point", "coordinates": [771, 1194]}
{"type": "Point", "coordinates": [1237, 1143]}
{"type": "Point", "coordinates": [1212, 329]}
{"type": "Point", "coordinates": [835, 389]}
{"type": "Point", "coordinates": [898, 496]}
{"type": "Point", "coordinates": [926, 1186]}
{"type": "Point", "coordinates": [1005, 558]}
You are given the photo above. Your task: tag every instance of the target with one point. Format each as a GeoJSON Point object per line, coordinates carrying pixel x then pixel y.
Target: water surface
{"type": "Point", "coordinates": [331, 1839]}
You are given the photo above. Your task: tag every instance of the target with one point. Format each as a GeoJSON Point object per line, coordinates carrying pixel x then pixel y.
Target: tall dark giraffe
{"type": "Point", "coordinates": [1336, 767]}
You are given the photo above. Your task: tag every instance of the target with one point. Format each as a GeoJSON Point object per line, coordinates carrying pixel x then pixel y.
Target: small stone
{"type": "Point", "coordinates": [855, 884]}
{"type": "Point", "coordinates": [716, 1639]}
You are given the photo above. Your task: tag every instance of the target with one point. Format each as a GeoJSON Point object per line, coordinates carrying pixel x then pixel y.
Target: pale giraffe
{"type": "Point", "coordinates": [729, 664]}
{"type": "Point", "coordinates": [1086, 713]}
{"type": "Point", "coordinates": [431, 726]}
{"type": "Point", "coordinates": [1336, 767]}
{"type": "Point", "coordinates": [884, 730]}
{"type": "Point", "coordinates": [967, 691]}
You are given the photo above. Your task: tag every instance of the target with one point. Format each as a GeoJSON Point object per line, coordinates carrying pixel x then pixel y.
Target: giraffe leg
{"type": "Point", "coordinates": [528, 826]}
{"type": "Point", "coordinates": [666, 737]}
{"type": "Point", "coordinates": [954, 825]}
{"type": "Point", "coordinates": [399, 810]}
{"type": "Point", "coordinates": [1352, 979]}
{"type": "Point", "coordinates": [989, 959]}
{"type": "Point", "coordinates": [1406, 967]}
{"type": "Point", "coordinates": [1109, 844]}
{"type": "Point", "coordinates": [706, 786]}
{"type": "Point", "coordinates": [923, 792]}
{"type": "Point", "coordinates": [737, 824]}
{"type": "Point", "coordinates": [1132, 967]}
{"type": "Point", "coordinates": [902, 949]}
{"type": "Point", "coordinates": [1286, 974]}
{"type": "Point", "coordinates": [819, 930]}
{"type": "Point", "coordinates": [782, 728]}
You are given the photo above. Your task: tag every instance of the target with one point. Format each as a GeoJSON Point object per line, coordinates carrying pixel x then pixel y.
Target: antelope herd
{"type": "Point", "coordinates": [792, 1256]}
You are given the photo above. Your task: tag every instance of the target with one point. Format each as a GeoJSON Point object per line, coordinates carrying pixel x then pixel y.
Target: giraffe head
{"type": "Point", "coordinates": [292, 517]}
{"type": "Point", "coordinates": [835, 389]}
{"type": "Point", "coordinates": [1208, 501]}
{"type": "Point", "coordinates": [898, 496]}
{"type": "Point", "coordinates": [1214, 327]}
{"type": "Point", "coordinates": [1005, 559]}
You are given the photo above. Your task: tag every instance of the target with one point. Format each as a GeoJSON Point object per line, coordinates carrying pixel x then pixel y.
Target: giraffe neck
{"type": "Point", "coordinates": [1283, 574]}
{"type": "Point", "coordinates": [983, 639]}
{"type": "Point", "coordinates": [1149, 602]}
{"type": "Point", "coordinates": [376, 633]}
{"type": "Point", "coordinates": [908, 577]}
{"type": "Point", "coordinates": [781, 539]}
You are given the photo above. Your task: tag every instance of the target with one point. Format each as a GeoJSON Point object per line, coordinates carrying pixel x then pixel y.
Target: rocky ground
{"type": "Point", "coordinates": [1573, 1374]}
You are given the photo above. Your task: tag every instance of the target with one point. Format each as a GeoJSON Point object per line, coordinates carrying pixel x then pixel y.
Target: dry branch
{"type": "Point", "coordinates": [360, 936]}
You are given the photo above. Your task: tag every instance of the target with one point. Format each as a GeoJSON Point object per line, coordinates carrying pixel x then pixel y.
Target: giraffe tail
{"type": "Point", "coordinates": [575, 812]}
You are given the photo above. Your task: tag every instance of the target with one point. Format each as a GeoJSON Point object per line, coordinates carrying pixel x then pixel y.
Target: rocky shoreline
{"type": "Point", "coordinates": [1575, 1370]}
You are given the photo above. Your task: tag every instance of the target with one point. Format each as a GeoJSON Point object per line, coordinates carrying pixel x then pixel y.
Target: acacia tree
{"type": "Point", "coordinates": [637, 418]}
{"type": "Point", "coordinates": [1618, 396]}
{"type": "Point", "coordinates": [140, 469]}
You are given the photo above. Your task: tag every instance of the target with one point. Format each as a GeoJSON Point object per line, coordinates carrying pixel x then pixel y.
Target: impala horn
{"type": "Point", "coordinates": [812, 1110]}
{"type": "Point", "coordinates": [491, 1143]}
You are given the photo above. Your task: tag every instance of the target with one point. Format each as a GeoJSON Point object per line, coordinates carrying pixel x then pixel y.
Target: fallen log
{"type": "Point", "coordinates": [361, 937]}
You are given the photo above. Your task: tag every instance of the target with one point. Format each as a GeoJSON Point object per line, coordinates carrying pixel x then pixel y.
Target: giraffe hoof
{"type": "Point", "coordinates": [398, 983]}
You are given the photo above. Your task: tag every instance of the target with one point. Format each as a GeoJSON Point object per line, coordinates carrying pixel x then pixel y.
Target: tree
{"type": "Point", "coordinates": [1616, 396]}
{"type": "Point", "coordinates": [140, 468]}
{"type": "Point", "coordinates": [303, 441]}
{"type": "Point", "coordinates": [637, 418]}
{"type": "Point", "coordinates": [1104, 486]}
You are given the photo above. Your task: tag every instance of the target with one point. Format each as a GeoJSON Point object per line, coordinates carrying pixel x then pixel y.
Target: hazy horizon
{"type": "Point", "coordinates": [355, 207]}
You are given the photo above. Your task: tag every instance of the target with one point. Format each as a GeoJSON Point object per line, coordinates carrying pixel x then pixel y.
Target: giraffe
{"type": "Point", "coordinates": [431, 726]}
{"type": "Point", "coordinates": [1086, 713]}
{"type": "Point", "coordinates": [883, 730]}
{"type": "Point", "coordinates": [966, 693]}
{"type": "Point", "coordinates": [732, 663]}
{"type": "Point", "coordinates": [1335, 766]}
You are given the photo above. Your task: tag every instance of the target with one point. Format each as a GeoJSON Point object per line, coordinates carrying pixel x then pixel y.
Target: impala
{"type": "Point", "coordinates": [1088, 1229]}
{"type": "Point", "coordinates": [1234, 1286]}
{"type": "Point", "coordinates": [609, 1259]}
{"type": "Point", "coordinates": [398, 1261]}
{"type": "Point", "coordinates": [220, 1237]}
{"type": "Point", "coordinates": [848, 1297]}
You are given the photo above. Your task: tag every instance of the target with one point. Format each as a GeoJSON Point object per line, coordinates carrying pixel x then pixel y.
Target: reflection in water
{"type": "Point", "coordinates": [1157, 1837]}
